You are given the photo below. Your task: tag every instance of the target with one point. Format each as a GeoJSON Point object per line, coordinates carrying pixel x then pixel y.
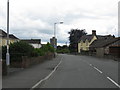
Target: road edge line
{"type": "Point", "coordinates": [98, 70]}
{"type": "Point", "coordinates": [113, 82]}
{"type": "Point", "coordinates": [47, 76]}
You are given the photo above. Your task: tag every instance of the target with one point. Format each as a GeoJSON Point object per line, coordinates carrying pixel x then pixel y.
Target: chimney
{"type": "Point", "coordinates": [93, 32]}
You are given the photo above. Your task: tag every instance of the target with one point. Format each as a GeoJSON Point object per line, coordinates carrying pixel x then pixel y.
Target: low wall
{"type": "Point", "coordinates": [26, 62]}
{"type": "Point", "coordinates": [29, 61]}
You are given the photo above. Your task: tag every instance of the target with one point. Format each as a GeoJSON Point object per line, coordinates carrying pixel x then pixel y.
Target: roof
{"type": "Point", "coordinates": [32, 41]}
{"type": "Point", "coordinates": [104, 37]}
{"type": "Point", "coordinates": [4, 34]}
{"type": "Point", "coordinates": [88, 37]}
{"type": "Point", "coordinates": [103, 42]}
{"type": "Point", "coordinates": [12, 36]}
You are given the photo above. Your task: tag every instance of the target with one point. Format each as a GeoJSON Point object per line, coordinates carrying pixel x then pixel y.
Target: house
{"type": "Point", "coordinates": [114, 49]}
{"type": "Point", "coordinates": [36, 43]}
{"type": "Point", "coordinates": [86, 40]}
{"type": "Point", "coordinates": [3, 38]}
{"type": "Point", "coordinates": [101, 47]}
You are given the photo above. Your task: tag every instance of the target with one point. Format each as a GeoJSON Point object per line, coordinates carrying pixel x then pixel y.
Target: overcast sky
{"type": "Point", "coordinates": [36, 18]}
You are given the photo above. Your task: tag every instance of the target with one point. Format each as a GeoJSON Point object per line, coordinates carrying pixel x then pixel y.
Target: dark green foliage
{"type": "Point", "coordinates": [4, 50]}
{"type": "Point", "coordinates": [44, 49]}
{"type": "Point", "coordinates": [63, 49]}
{"type": "Point", "coordinates": [75, 35]}
{"type": "Point", "coordinates": [17, 50]}
{"type": "Point", "coordinates": [21, 47]}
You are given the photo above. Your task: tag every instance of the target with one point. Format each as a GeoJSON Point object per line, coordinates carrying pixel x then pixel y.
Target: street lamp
{"type": "Point", "coordinates": [55, 40]}
{"type": "Point", "coordinates": [55, 32]}
{"type": "Point", "coordinates": [7, 54]}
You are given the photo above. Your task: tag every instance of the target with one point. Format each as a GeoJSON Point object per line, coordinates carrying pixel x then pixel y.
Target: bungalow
{"type": "Point", "coordinates": [36, 43]}
{"type": "Point", "coordinates": [3, 38]}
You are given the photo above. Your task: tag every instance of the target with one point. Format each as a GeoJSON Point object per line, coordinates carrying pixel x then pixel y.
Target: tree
{"type": "Point", "coordinates": [75, 35]}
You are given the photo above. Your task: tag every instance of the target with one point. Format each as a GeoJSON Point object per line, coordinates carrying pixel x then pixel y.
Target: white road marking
{"type": "Point", "coordinates": [46, 76]}
{"type": "Point", "coordinates": [98, 70]}
{"type": "Point", "coordinates": [107, 77]}
{"type": "Point", "coordinates": [113, 82]}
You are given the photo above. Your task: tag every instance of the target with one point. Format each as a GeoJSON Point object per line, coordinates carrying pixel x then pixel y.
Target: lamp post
{"type": "Point", "coordinates": [55, 40]}
{"type": "Point", "coordinates": [7, 54]}
{"type": "Point", "coordinates": [55, 32]}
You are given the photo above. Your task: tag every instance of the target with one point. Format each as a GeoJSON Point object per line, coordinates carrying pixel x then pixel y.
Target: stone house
{"type": "Point", "coordinates": [101, 47]}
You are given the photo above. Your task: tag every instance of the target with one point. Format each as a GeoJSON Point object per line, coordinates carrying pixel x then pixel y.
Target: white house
{"type": "Point", "coordinates": [36, 43]}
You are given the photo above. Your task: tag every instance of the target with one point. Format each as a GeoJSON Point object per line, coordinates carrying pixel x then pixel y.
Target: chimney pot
{"type": "Point", "coordinates": [93, 32]}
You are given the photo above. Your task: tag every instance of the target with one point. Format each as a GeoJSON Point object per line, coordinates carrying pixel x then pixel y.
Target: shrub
{"type": "Point", "coordinates": [63, 51]}
{"type": "Point", "coordinates": [19, 49]}
{"type": "Point", "coordinates": [44, 49]}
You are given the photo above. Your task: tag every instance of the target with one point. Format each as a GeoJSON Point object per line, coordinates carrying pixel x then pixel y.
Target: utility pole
{"type": "Point", "coordinates": [7, 54]}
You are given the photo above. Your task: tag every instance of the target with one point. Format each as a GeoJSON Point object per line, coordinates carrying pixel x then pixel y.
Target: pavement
{"type": "Point", "coordinates": [27, 78]}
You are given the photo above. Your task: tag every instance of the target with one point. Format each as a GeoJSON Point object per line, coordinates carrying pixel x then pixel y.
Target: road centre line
{"type": "Point", "coordinates": [46, 76]}
{"type": "Point", "coordinates": [113, 82]}
{"type": "Point", "coordinates": [105, 75]}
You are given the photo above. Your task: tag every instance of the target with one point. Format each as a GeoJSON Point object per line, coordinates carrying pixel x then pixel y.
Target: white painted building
{"type": "Point", "coordinates": [36, 43]}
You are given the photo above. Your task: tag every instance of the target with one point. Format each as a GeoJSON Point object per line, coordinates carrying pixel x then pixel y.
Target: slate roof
{"type": "Point", "coordinates": [12, 36]}
{"type": "Point", "coordinates": [3, 34]}
{"type": "Point", "coordinates": [90, 37]}
{"type": "Point", "coordinates": [32, 41]}
{"type": "Point", "coordinates": [103, 42]}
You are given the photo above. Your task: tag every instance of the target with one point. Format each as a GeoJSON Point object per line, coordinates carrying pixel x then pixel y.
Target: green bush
{"type": "Point", "coordinates": [44, 49]}
{"type": "Point", "coordinates": [4, 50]}
{"type": "Point", "coordinates": [19, 49]}
{"type": "Point", "coordinates": [63, 51]}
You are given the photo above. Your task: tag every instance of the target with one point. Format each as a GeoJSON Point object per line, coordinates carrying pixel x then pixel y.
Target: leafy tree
{"type": "Point", "coordinates": [75, 35]}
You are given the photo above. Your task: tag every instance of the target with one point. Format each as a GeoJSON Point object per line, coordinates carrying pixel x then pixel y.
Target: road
{"type": "Point", "coordinates": [83, 72]}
